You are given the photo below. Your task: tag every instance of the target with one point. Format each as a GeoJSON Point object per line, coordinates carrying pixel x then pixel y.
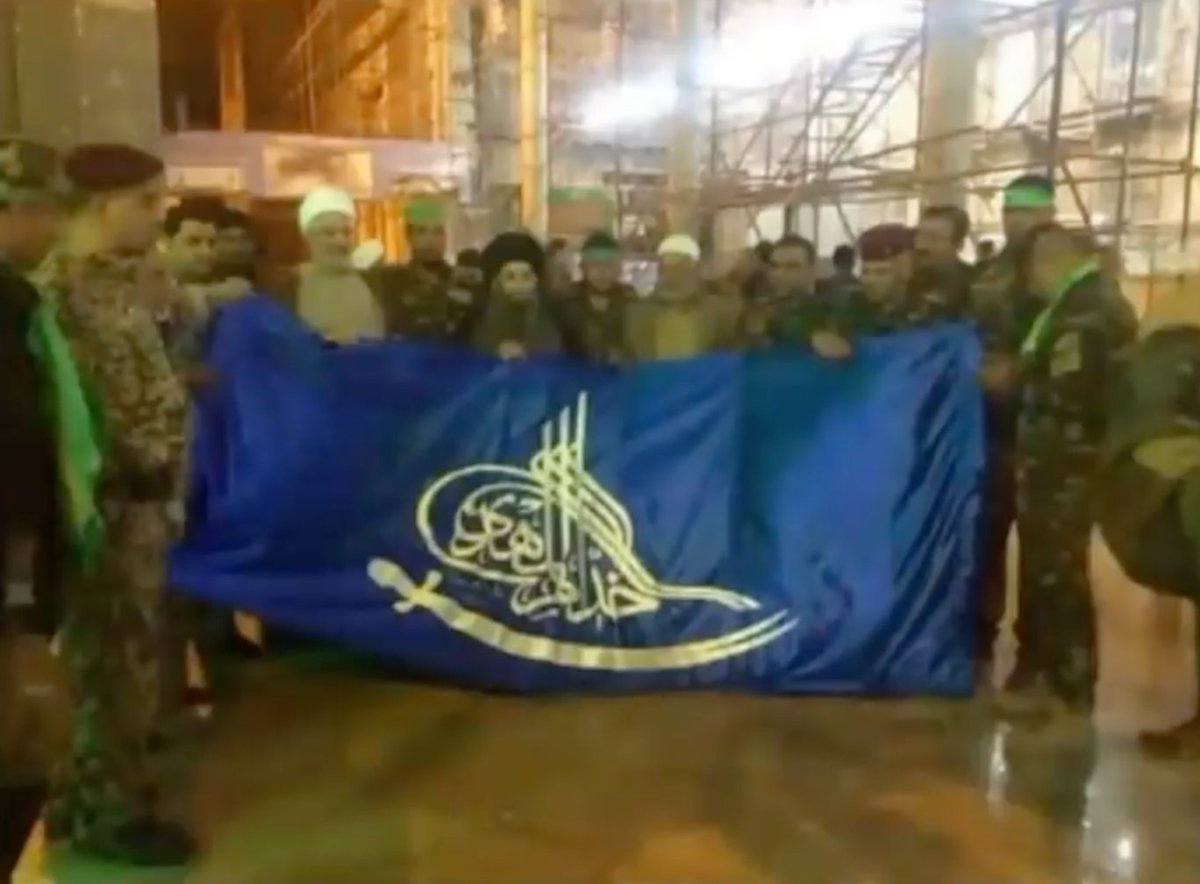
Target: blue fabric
{"type": "Point", "coordinates": [771, 522]}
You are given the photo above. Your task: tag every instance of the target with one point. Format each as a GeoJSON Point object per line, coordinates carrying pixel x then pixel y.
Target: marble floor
{"type": "Point", "coordinates": [315, 776]}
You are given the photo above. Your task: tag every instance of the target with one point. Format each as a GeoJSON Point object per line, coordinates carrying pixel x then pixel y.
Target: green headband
{"type": "Point", "coordinates": [424, 211]}
{"type": "Point", "coordinates": [601, 253]}
{"type": "Point", "coordinates": [1028, 198]}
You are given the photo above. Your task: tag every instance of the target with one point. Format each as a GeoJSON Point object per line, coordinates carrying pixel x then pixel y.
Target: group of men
{"type": "Point", "coordinates": [104, 306]}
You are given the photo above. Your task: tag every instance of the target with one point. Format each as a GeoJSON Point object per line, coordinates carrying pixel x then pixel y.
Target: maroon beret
{"type": "Point", "coordinates": [885, 241]}
{"type": "Point", "coordinates": [104, 168]}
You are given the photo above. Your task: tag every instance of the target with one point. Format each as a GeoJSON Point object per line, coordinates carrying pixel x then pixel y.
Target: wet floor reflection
{"type": "Point", "coordinates": [332, 777]}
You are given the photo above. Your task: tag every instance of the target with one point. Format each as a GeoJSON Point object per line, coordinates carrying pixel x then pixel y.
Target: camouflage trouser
{"type": "Point", "coordinates": [111, 646]}
{"type": "Point", "coordinates": [1056, 621]}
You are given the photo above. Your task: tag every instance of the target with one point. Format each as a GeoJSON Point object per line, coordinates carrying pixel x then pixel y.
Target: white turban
{"type": "Point", "coordinates": [324, 200]}
{"type": "Point", "coordinates": [680, 244]}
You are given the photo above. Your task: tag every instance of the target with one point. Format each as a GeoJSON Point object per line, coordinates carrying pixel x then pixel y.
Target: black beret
{"type": "Point", "coordinates": [105, 168]}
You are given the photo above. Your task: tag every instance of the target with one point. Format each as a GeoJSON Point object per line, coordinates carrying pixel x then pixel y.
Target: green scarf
{"type": "Point", "coordinates": [79, 430]}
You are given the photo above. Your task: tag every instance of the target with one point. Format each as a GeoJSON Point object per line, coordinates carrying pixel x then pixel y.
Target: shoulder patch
{"type": "Point", "coordinates": [1067, 356]}
{"type": "Point", "coordinates": [1170, 458]}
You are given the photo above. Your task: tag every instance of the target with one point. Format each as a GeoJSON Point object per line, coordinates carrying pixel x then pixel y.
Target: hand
{"type": "Point", "coordinates": [999, 374]}
{"type": "Point", "coordinates": [510, 350]}
{"type": "Point", "coordinates": [831, 345]}
{"type": "Point", "coordinates": [231, 289]}
{"type": "Point", "coordinates": [199, 377]}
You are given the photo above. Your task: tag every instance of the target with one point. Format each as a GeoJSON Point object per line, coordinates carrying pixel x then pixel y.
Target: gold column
{"type": "Point", "coordinates": [533, 131]}
{"type": "Point", "coordinates": [437, 18]}
{"type": "Point", "coordinates": [10, 107]}
{"type": "Point", "coordinates": [232, 67]}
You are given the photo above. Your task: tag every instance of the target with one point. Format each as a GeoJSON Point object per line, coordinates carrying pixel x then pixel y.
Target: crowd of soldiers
{"type": "Point", "coordinates": [104, 308]}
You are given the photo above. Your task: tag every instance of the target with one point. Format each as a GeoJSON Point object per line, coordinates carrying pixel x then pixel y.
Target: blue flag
{"type": "Point", "coordinates": [770, 522]}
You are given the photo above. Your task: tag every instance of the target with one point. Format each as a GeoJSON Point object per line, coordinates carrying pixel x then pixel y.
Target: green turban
{"type": "Point", "coordinates": [424, 210]}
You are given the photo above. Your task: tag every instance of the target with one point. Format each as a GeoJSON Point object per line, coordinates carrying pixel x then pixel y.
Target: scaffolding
{"type": "Point", "coordinates": [1101, 94]}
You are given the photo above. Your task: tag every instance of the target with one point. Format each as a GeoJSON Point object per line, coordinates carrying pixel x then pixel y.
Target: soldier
{"type": "Point", "coordinates": [1150, 490]}
{"type": "Point", "coordinates": [790, 311]}
{"type": "Point", "coordinates": [421, 300]}
{"type": "Point", "coordinates": [880, 304]}
{"type": "Point", "coordinates": [1003, 310]}
{"type": "Point", "coordinates": [31, 542]}
{"type": "Point", "coordinates": [682, 317]}
{"type": "Point", "coordinates": [594, 311]}
{"type": "Point", "coordinates": [108, 800]}
{"type": "Point", "coordinates": [516, 322]}
{"type": "Point", "coordinates": [1068, 362]}
{"type": "Point", "coordinates": [941, 279]}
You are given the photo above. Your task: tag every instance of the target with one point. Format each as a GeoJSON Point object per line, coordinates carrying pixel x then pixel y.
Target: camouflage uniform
{"type": "Point", "coordinates": [422, 302]}
{"type": "Point", "coordinates": [787, 320]}
{"type": "Point", "coordinates": [1003, 313]}
{"type": "Point", "coordinates": [1150, 486]}
{"type": "Point", "coordinates": [111, 639]}
{"type": "Point", "coordinates": [594, 322]}
{"type": "Point", "coordinates": [1065, 377]}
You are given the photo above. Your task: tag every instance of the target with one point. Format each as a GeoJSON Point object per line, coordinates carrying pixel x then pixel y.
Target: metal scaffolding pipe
{"type": "Point", "coordinates": [1062, 19]}
{"type": "Point", "coordinates": [1189, 176]}
{"type": "Point", "coordinates": [1130, 97]}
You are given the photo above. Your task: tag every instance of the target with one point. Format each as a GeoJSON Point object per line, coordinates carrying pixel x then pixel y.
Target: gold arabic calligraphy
{"type": "Point", "coordinates": [565, 547]}
{"type": "Point", "coordinates": [555, 535]}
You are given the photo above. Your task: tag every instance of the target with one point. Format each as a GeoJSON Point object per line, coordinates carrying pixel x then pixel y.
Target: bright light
{"type": "Point", "coordinates": [754, 51]}
{"type": "Point", "coordinates": [630, 104]}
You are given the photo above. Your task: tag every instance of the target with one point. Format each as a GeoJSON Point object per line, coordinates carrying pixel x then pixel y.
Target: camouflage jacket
{"type": "Point", "coordinates": [1066, 380]}
{"type": "Point", "coordinates": [422, 302]}
{"type": "Point", "coordinates": [593, 323]}
{"type": "Point", "coordinates": [117, 346]}
{"type": "Point", "coordinates": [1149, 488]}
{"type": "Point", "coordinates": [787, 320]}
{"type": "Point", "coordinates": [1001, 308]}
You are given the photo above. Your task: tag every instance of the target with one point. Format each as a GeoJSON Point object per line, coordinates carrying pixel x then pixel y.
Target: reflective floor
{"type": "Point", "coordinates": [331, 776]}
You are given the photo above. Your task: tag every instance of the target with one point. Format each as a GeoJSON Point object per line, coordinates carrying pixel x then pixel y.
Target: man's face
{"type": "Point", "coordinates": [191, 251]}
{"type": "Point", "coordinates": [517, 282]}
{"type": "Point", "coordinates": [234, 247]}
{"type": "Point", "coordinates": [427, 241]}
{"type": "Point", "coordinates": [601, 272]}
{"type": "Point", "coordinates": [330, 238]}
{"type": "Point", "coordinates": [678, 274]}
{"type": "Point", "coordinates": [1019, 221]}
{"type": "Point", "coordinates": [882, 279]}
{"type": "Point", "coordinates": [29, 230]}
{"type": "Point", "coordinates": [791, 270]}
{"type": "Point", "coordinates": [935, 242]}
{"type": "Point", "coordinates": [133, 217]}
